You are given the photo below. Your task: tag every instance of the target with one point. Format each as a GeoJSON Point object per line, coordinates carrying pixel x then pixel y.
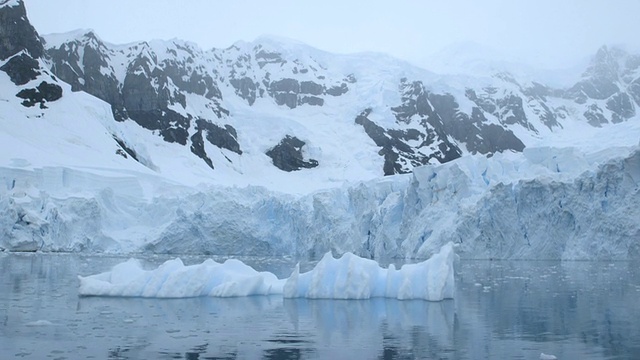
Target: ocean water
{"type": "Point", "coordinates": [502, 310]}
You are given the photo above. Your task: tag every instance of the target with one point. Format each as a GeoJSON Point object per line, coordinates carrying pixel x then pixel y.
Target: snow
{"type": "Point", "coordinates": [349, 277]}
{"type": "Point", "coordinates": [10, 3]}
{"type": "Point", "coordinates": [63, 187]}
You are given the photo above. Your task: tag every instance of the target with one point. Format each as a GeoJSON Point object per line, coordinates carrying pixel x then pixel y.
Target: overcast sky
{"type": "Point", "coordinates": [549, 33]}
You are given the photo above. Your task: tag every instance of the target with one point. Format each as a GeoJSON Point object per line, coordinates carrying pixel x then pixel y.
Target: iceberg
{"type": "Point", "coordinates": [352, 277]}
{"type": "Point", "coordinates": [173, 279]}
{"type": "Point", "coordinates": [348, 277]}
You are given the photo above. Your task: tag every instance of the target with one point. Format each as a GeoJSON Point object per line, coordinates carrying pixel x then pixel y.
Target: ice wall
{"type": "Point", "coordinates": [546, 203]}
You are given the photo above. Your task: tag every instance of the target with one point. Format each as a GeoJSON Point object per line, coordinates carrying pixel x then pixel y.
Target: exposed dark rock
{"type": "Point", "coordinates": [196, 83]}
{"type": "Point", "coordinates": [485, 103]}
{"type": "Point", "coordinates": [621, 106]}
{"type": "Point", "coordinates": [172, 126]}
{"type": "Point", "coordinates": [264, 57]}
{"type": "Point", "coordinates": [600, 78]}
{"type": "Point", "coordinates": [285, 98]}
{"type": "Point", "coordinates": [338, 90]}
{"type": "Point", "coordinates": [21, 69]}
{"type": "Point", "coordinates": [119, 113]}
{"type": "Point", "coordinates": [595, 88]}
{"type": "Point", "coordinates": [309, 87]}
{"type": "Point", "coordinates": [126, 149]}
{"type": "Point", "coordinates": [245, 88]}
{"type": "Point", "coordinates": [547, 116]}
{"type": "Point", "coordinates": [414, 101]}
{"type": "Point", "coordinates": [398, 155]}
{"type": "Point", "coordinates": [285, 92]}
{"type": "Point", "coordinates": [17, 34]}
{"type": "Point", "coordinates": [474, 132]}
{"type": "Point", "coordinates": [145, 90]}
{"type": "Point", "coordinates": [285, 85]}
{"type": "Point", "coordinates": [538, 91]}
{"type": "Point", "coordinates": [312, 100]}
{"type": "Point", "coordinates": [96, 82]}
{"type": "Point", "coordinates": [40, 95]}
{"type": "Point", "coordinates": [66, 64]}
{"type": "Point", "coordinates": [287, 155]}
{"type": "Point", "coordinates": [224, 138]}
{"type": "Point", "coordinates": [197, 148]}
{"type": "Point", "coordinates": [594, 116]}
{"type": "Point", "coordinates": [512, 112]}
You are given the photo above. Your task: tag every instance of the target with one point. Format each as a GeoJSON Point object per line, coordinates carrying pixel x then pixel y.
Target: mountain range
{"type": "Point", "coordinates": [273, 113]}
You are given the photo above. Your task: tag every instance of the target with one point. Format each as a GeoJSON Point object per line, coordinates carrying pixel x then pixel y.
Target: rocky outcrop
{"type": "Point", "coordinates": [288, 156]}
{"type": "Point", "coordinates": [435, 130]}
{"type": "Point", "coordinates": [224, 138]}
{"type": "Point", "coordinates": [16, 32]}
{"type": "Point", "coordinates": [21, 69]}
{"type": "Point", "coordinates": [611, 83]}
{"type": "Point", "coordinates": [41, 94]}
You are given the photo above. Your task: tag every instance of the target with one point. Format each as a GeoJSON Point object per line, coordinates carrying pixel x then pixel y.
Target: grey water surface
{"type": "Point", "coordinates": [502, 310]}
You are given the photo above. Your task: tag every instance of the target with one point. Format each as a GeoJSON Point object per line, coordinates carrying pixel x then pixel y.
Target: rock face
{"type": "Point", "coordinates": [21, 69]}
{"type": "Point", "coordinates": [21, 47]}
{"type": "Point", "coordinates": [610, 87]}
{"type": "Point", "coordinates": [40, 95]}
{"type": "Point", "coordinates": [16, 32]}
{"type": "Point", "coordinates": [287, 155]}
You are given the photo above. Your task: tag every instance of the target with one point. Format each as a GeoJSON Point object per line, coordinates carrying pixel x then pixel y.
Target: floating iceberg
{"type": "Point", "coordinates": [175, 280]}
{"type": "Point", "coordinates": [349, 277]}
{"type": "Point", "coordinates": [352, 277]}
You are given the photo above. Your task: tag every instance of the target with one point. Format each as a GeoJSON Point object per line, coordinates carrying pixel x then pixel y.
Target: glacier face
{"type": "Point", "coordinates": [543, 204]}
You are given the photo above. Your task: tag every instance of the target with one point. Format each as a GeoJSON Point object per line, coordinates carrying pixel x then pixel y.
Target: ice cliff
{"type": "Point", "coordinates": [545, 203]}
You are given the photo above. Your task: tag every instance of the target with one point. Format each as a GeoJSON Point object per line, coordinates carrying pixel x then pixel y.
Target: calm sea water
{"type": "Point", "coordinates": [502, 310]}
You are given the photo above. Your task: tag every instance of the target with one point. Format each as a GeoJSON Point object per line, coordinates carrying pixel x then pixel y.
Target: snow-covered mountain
{"type": "Point", "coordinates": [274, 147]}
{"type": "Point", "coordinates": [209, 102]}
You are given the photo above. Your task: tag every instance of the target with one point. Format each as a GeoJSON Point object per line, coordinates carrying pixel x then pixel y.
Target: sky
{"type": "Point", "coordinates": [542, 33]}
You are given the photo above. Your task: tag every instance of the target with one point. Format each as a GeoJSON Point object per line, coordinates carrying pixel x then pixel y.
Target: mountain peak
{"type": "Point", "coordinates": [606, 63]}
{"type": "Point", "coordinates": [16, 31]}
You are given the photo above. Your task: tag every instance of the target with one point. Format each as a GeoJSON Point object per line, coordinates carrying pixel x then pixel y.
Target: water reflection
{"type": "Point", "coordinates": [501, 310]}
{"type": "Point", "coordinates": [268, 327]}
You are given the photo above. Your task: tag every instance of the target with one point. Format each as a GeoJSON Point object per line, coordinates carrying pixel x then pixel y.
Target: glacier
{"type": "Point", "coordinates": [544, 203]}
{"type": "Point", "coordinates": [73, 178]}
{"type": "Point", "coordinates": [349, 277]}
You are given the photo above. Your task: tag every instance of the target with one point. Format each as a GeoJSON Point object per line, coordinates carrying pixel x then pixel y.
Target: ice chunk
{"type": "Point", "coordinates": [544, 356]}
{"type": "Point", "coordinates": [352, 277]}
{"type": "Point", "coordinates": [175, 280]}
{"type": "Point", "coordinates": [39, 323]}
{"type": "Point", "coordinates": [349, 277]}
